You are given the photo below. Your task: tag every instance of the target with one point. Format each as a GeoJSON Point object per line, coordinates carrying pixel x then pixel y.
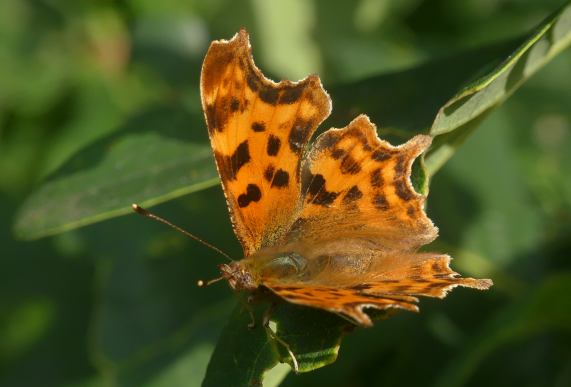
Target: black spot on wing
{"type": "Point", "coordinates": [299, 135]}
{"type": "Point", "coordinates": [239, 158]}
{"type": "Point", "coordinates": [380, 201]}
{"type": "Point", "coordinates": [403, 191]}
{"type": "Point", "coordinates": [269, 173]}
{"type": "Point", "coordinates": [411, 211]}
{"type": "Point", "coordinates": [349, 166]}
{"type": "Point", "coordinates": [327, 140]}
{"type": "Point", "coordinates": [360, 287]}
{"type": "Point", "coordinates": [274, 144]}
{"type": "Point", "coordinates": [401, 289]}
{"type": "Point", "coordinates": [400, 167]}
{"type": "Point", "coordinates": [376, 178]}
{"type": "Point", "coordinates": [230, 165]}
{"type": "Point", "coordinates": [258, 126]}
{"type": "Point", "coordinates": [381, 155]}
{"type": "Point", "coordinates": [317, 192]}
{"type": "Point", "coordinates": [314, 183]}
{"type": "Point", "coordinates": [217, 113]}
{"type": "Point", "coordinates": [401, 188]}
{"type": "Point", "coordinates": [253, 194]}
{"type": "Point", "coordinates": [252, 80]}
{"type": "Point", "coordinates": [338, 153]}
{"type": "Point", "coordinates": [234, 104]}
{"type": "Point", "coordinates": [281, 179]}
{"type": "Point", "coordinates": [291, 94]}
{"type": "Point", "coordinates": [352, 194]}
{"type": "Point", "coordinates": [269, 94]}
{"type": "Point", "coordinates": [211, 118]}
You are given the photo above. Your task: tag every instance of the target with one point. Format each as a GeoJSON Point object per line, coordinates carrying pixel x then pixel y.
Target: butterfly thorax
{"type": "Point", "coordinates": [251, 272]}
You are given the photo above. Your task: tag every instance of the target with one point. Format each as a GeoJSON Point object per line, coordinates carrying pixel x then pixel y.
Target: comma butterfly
{"type": "Point", "coordinates": [337, 227]}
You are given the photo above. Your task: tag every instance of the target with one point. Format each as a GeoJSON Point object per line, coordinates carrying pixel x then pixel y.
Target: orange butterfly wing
{"type": "Point", "coordinates": [362, 217]}
{"type": "Point", "coordinates": [359, 184]}
{"type": "Point", "coordinates": [258, 130]}
{"type": "Point", "coordinates": [349, 209]}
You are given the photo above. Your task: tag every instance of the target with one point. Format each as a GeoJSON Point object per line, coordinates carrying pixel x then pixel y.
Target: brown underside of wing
{"type": "Point", "coordinates": [420, 274]}
{"type": "Point", "coordinates": [397, 288]}
{"type": "Point", "coordinates": [347, 302]}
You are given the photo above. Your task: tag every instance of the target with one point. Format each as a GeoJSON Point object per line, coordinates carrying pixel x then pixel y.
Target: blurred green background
{"type": "Point", "coordinates": [115, 303]}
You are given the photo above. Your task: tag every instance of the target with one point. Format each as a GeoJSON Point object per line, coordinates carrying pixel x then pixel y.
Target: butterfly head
{"type": "Point", "coordinates": [238, 276]}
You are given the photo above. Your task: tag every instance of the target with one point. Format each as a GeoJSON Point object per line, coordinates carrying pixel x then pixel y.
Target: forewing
{"type": "Point", "coordinates": [258, 130]}
{"type": "Point", "coordinates": [355, 184]}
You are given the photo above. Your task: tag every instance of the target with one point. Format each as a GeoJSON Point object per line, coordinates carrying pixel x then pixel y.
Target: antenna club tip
{"type": "Point", "coordinates": [137, 208]}
{"type": "Point", "coordinates": [200, 283]}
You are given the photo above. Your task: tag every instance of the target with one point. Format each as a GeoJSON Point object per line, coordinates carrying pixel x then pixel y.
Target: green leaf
{"type": "Point", "coordinates": [154, 159]}
{"type": "Point", "coordinates": [450, 97]}
{"type": "Point", "coordinates": [243, 356]}
{"type": "Point", "coordinates": [464, 111]}
{"type": "Point", "coordinates": [405, 102]}
{"type": "Point", "coordinates": [313, 336]}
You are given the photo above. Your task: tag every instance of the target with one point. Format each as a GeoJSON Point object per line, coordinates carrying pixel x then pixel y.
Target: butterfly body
{"type": "Point", "coordinates": [335, 226]}
{"type": "Point", "coordinates": [250, 273]}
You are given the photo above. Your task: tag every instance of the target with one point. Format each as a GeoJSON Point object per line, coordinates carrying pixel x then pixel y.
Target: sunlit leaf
{"type": "Point", "coordinates": [464, 111]}
{"type": "Point", "coordinates": [244, 355]}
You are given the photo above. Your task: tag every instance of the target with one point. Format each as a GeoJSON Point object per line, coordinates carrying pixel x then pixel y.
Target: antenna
{"type": "Point", "coordinates": [141, 211]}
{"type": "Point", "coordinates": [202, 284]}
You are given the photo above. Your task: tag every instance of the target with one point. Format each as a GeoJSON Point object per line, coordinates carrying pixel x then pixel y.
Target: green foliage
{"type": "Point", "coordinates": [541, 310]}
{"type": "Point", "coordinates": [99, 108]}
{"type": "Point", "coordinates": [138, 165]}
{"type": "Point", "coordinates": [243, 355]}
{"type": "Point", "coordinates": [460, 115]}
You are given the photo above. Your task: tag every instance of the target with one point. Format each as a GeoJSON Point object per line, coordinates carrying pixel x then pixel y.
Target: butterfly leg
{"type": "Point", "coordinates": [249, 301]}
{"type": "Point", "coordinates": [255, 298]}
{"type": "Point", "coordinates": [274, 336]}
{"type": "Point", "coordinates": [247, 305]}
